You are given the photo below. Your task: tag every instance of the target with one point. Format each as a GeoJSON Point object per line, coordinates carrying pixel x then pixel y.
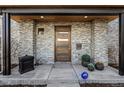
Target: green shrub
{"type": "Point", "coordinates": [91, 67]}
{"type": "Point", "coordinates": [85, 58]}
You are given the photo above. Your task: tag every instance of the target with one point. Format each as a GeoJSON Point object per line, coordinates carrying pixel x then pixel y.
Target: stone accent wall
{"type": "Point", "coordinates": [80, 33]}
{"type": "Point", "coordinates": [100, 41]}
{"type": "Point", "coordinates": [45, 43]}
{"type": "Point", "coordinates": [113, 41]}
{"type": "Point", "coordinates": [26, 38]}
{"type": "Point", "coordinates": [27, 41]}
{"type": "Point", "coordinates": [21, 39]}
{"type": "Point", "coordinates": [15, 37]}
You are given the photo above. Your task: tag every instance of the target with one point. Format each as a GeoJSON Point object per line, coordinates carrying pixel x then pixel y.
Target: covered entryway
{"type": "Point", "coordinates": [7, 13]}
{"type": "Point", "coordinates": [53, 38]}
{"type": "Point", "coordinates": [62, 43]}
{"type": "Point", "coordinates": [60, 38]}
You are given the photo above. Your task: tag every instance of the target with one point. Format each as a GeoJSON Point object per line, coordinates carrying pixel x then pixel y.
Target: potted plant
{"type": "Point", "coordinates": [91, 67]}
{"type": "Point", "coordinates": [85, 60]}
{"type": "Point", "coordinates": [99, 66]}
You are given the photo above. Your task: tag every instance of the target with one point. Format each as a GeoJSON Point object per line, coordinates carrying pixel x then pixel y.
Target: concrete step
{"type": "Point", "coordinates": [63, 84]}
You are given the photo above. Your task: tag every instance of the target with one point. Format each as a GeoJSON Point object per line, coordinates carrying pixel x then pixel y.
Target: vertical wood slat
{"type": "Point", "coordinates": [6, 44]}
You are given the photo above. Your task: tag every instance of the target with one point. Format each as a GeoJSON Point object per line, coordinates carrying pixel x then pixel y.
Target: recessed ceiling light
{"type": "Point", "coordinates": [41, 16]}
{"type": "Point", "coordinates": [85, 16]}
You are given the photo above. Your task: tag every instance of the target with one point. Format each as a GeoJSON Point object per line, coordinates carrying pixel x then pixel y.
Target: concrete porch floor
{"type": "Point", "coordinates": [60, 75]}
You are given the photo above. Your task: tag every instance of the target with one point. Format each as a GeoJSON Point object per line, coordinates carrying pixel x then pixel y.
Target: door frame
{"type": "Point", "coordinates": [70, 43]}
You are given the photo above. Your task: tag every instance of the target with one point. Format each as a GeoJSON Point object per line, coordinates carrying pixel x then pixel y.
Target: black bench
{"type": "Point", "coordinates": [26, 63]}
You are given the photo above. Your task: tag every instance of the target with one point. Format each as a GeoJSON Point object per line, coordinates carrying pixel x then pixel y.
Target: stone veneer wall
{"type": "Point", "coordinates": [92, 35]}
{"type": "Point", "coordinates": [80, 33]}
{"type": "Point", "coordinates": [21, 39]}
{"type": "Point", "coordinates": [100, 41]}
{"type": "Point", "coordinates": [45, 43]}
{"type": "Point", "coordinates": [26, 38]}
{"type": "Point", "coordinates": [15, 37]}
{"type": "Point", "coordinates": [113, 41]}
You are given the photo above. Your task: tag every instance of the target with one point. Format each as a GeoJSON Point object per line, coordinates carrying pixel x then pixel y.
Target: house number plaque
{"type": "Point", "coordinates": [78, 46]}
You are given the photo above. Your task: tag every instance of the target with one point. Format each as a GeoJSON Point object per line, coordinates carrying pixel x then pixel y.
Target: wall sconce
{"type": "Point", "coordinates": [40, 31]}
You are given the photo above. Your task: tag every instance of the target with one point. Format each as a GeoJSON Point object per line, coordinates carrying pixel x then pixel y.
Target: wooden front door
{"type": "Point", "coordinates": [62, 43]}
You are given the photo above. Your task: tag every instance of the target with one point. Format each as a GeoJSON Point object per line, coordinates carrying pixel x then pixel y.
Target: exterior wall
{"type": "Point", "coordinates": [27, 41]}
{"type": "Point", "coordinates": [15, 37]}
{"type": "Point", "coordinates": [80, 33]}
{"type": "Point", "coordinates": [45, 43]}
{"type": "Point", "coordinates": [26, 38]}
{"type": "Point", "coordinates": [113, 41]}
{"type": "Point", "coordinates": [100, 41]}
{"type": "Point", "coordinates": [21, 39]}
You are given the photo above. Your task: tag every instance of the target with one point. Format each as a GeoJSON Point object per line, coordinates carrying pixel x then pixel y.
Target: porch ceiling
{"type": "Point", "coordinates": [62, 18]}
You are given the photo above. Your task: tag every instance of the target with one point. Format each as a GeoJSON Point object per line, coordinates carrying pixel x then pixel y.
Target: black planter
{"type": "Point", "coordinates": [26, 63]}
